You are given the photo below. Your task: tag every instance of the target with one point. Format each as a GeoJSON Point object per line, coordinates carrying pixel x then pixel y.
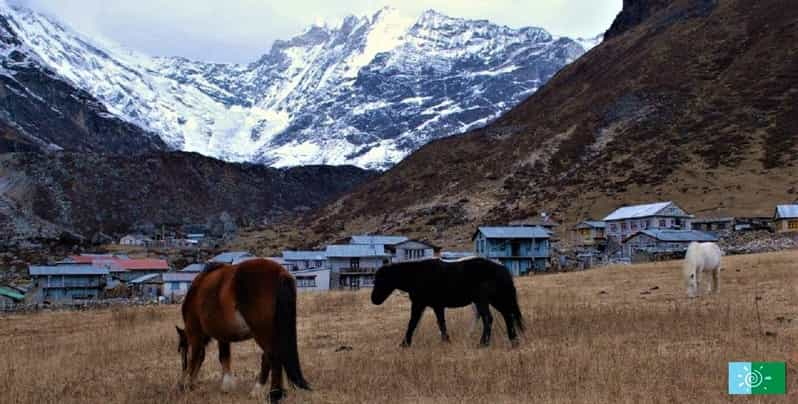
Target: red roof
{"type": "Point", "coordinates": [128, 264]}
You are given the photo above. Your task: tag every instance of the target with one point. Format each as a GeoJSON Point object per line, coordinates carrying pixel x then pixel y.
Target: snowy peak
{"type": "Point", "coordinates": [365, 91]}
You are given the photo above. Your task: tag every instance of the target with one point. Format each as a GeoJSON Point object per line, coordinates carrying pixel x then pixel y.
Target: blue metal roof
{"type": "Point", "coordinates": [378, 239]}
{"type": "Point", "coordinates": [304, 255]}
{"type": "Point", "coordinates": [637, 211]}
{"type": "Point", "coordinates": [146, 278]}
{"type": "Point", "coordinates": [596, 224]}
{"type": "Point", "coordinates": [787, 211]}
{"type": "Point", "coordinates": [511, 232]}
{"type": "Point", "coordinates": [355, 250]}
{"type": "Point", "coordinates": [232, 257]}
{"type": "Point", "coordinates": [193, 268]}
{"type": "Point", "coordinates": [67, 270]}
{"type": "Point", "coordinates": [677, 235]}
{"type": "Point", "coordinates": [179, 277]}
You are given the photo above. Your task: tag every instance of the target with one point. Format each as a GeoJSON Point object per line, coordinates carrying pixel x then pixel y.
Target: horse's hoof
{"type": "Point", "coordinates": [405, 344]}
{"type": "Point", "coordinates": [514, 343]}
{"type": "Point", "coordinates": [276, 395]}
{"type": "Point", "coordinates": [257, 391]}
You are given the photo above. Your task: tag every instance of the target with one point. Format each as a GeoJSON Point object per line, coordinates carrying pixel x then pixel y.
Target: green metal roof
{"type": "Point", "coordinates": [11, 293]}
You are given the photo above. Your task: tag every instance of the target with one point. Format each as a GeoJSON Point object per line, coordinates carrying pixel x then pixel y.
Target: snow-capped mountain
{"type": "Point", "coordinates": [367, 91]}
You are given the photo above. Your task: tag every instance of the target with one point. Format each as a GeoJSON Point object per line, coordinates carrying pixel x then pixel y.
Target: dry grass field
{"type": "Point", "coordinates": [611, 335]}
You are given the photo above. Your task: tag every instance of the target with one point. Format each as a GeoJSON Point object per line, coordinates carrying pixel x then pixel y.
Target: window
{"type": "Point", "coordinates": [634, 226]}
{"type": "Point", "coordinates": [306, 282]}
{"type": "Point", "coordinates": [354, 263]}
{"type": "Point", "coordinates": [613, 228]}
{"type": "Point", "coordinates": [663, 223]}
{"type": "Point", "coordinates": [626, 227]}
{"type": "Point", "coordinates": [792, 225]}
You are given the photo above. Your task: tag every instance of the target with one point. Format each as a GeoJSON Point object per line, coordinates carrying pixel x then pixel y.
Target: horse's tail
{"type": "Point", "coordinates": [285, 322]}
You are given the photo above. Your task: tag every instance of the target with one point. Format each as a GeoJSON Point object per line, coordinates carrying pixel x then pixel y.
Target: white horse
{"type": "Point", "coordinates": [701, 258]}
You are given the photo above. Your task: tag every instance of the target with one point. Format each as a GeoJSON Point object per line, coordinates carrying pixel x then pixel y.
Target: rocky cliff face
{"type": "Point", "coordinates": [43, 196]}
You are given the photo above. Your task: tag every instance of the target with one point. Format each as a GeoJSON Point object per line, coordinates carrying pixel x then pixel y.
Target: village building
{"type": "Point", "coordinates": [317, 279]}
{"type": "Point", "coordinates": [149, 286]}
{"type": "Point", "coordinates": [785, 218]}
{"type": "Point", "coordinates": [413, 250]}
{"type": "Point", "coordinates": [127, 269]}
{"type": "Point", "coordinates": [194, 268]}
{"type": "Point", "coordinates": [648, 245]}
{"type": "Point", "coordinates": [629, 220]}
{"type": "Point", "coordinates": [68, 282]}
{"type": "Point", "coordinates": [522, 249]}
{"type": "Point", "coordinates": [9, 297]}
{"type": "Point", "coordinates": [590, 233]}
{"type": "Point", "coordinates": [137, 240]}
{"type": "Point", "coordinates": [456, 255]}
{"type": "Point", "coordinates": [714, 225]}
{"type": "Point", "coordinates": [354, 265]}
{"type": "Point", "coordinates": [302, 260]}
{"type": "Point", "coordinates": [232, 257]}
{"type": "Point", "coordinates": [176, 284]}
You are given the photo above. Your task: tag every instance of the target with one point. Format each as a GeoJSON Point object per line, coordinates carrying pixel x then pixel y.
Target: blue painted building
{"type": "Point", "coordinates": [522, 249]}
{"type": "Point", "coordinates": [69, 281]}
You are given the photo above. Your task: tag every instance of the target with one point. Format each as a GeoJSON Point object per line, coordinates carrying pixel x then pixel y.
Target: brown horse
{"type": "Point", "coordinates": [232, 303]}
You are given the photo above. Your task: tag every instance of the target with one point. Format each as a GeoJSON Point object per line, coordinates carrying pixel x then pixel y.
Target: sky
{"type": "Point", "coordinates": [240, 31]}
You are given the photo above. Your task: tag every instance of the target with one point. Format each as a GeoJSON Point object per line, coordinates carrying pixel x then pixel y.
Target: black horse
{"type": "Point", "coordinates": [440, 284]}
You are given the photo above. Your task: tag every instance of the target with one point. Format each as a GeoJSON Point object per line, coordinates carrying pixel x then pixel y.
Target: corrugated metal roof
{"type": "Point", "coordinates": [76, 269]}
{"type": "Point", "coordinates": [637, 211]}
{"type": "Point", "coordinates": [515, 232]}
{"type": "Point", "coordinates": [378, 239]}
{"type": "Point", "coordinates": [355, 250]}
{"type": "Point", "coordinates": [309, 271]}
{"type": "Point", "coordinates": [677, 235]}
{"type": "Point", "coordinates": [11, 293]}
{"type": "Point", "coordinates": [304, 255]}
{"type": "Point", "coordinates": [151, 278]}
{"type": "Point", "coordinates": [596, 224]}
{"type": "Point", "coordinates": [787, 211]}
{"type": "Point", "coordinates": [193, 268]}
{"type": "Point", "coordinates": [179, 276]}
{"type": "Point", "coordinates": [232, 257]}
{"type": "Point", "coordinates": [454, 255]}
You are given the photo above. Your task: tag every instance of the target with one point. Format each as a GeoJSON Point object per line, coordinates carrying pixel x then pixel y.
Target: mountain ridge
{"type": "Point", "coordinates": [677, 107]}
{"type": "Point", "coordinates": [366, 92]}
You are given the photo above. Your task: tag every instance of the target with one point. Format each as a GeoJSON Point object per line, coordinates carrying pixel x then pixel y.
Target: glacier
{"type": "Point", "coordinates": [366, 91]}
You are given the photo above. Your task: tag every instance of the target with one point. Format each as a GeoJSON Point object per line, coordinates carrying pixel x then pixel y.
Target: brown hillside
{"type": "Point", "coordinates": [697, 103]}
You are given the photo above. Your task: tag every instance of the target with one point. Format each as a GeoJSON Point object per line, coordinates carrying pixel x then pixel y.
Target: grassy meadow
{"type": "Point", "coordinates": [623, 334]}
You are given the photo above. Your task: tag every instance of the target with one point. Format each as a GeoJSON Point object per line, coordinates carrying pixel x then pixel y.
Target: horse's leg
{"type": "Point", "coordinates": [224, 359]}
{"type": "Point", "coordinates": [276, 392]}
{"type": "Point", "coordinates": [265, 366]}
{"type": "Point", "coordinates": [487, 321]}
{"type": "Point", "coordinates": [474, 323]}
{"type": "Point", "coordinates": [440, 315]}
{"type": "Point", "coordinates": [509, 321]}
{"type": "Point", "coordinates": [197, 356]}
{"type": "Point", "coordinates": [416, 310]}
{"type": "Point", "coordinates": [716, 280]}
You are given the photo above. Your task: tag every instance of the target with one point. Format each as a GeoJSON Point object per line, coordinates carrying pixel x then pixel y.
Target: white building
{"type": "Point", "coordinates": [312, 279]}
{"type": "Point", "coordinates": [137, 240]}
{"type": "Point", "coordinates": [629, 220]}
{"type": "Point", "coordinates": [176, 284]}
{"type": "Point", "coordinates": [413, 250]}
{"type": "Point", "coordinates": [302, 260]}
{"type": "Point", "coordinates": [355, 264]}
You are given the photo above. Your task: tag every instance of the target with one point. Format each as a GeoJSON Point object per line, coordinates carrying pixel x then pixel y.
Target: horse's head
{"type": "Point", "coordinates": [384, 285]}
{"type": "Point", "coordinates": [182, 346]}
